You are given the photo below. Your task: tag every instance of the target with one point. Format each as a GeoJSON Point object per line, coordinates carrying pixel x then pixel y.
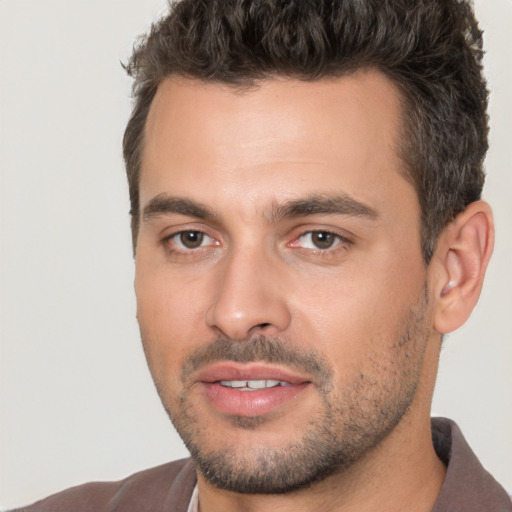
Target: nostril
{"type": "Point", "coordinates": [262, 326]}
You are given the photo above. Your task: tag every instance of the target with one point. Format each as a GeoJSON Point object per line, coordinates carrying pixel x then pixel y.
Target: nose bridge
{"type": "Point", "coordinates": [249, 296]}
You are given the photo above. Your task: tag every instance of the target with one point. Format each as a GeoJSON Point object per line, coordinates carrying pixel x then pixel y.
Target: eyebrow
{"type": "Point", "coordinates": [312, 205]}
{"type": "Point", "coordinates": [164, 204]}
{"type": "Point", "coordinates": [323, 204]}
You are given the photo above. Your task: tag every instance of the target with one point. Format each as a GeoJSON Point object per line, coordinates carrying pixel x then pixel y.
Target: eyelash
{"type": "Point", "coordinates": [178, 244]}
{"type": "Point", "coordinates": [175, 245]}
{"type": "Point", "coordinates": [336, 238]}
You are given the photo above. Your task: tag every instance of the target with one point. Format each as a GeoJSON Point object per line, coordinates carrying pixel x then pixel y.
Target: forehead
{"type": "Point", "coordinates": [300, 136]}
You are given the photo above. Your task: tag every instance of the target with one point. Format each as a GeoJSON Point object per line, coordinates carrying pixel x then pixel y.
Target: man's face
{"type": "Point", "coordinates": [281, 290]}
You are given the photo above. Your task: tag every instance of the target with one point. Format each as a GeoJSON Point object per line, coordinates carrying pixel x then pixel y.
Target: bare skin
{"type": "Point", "coordinates": [226, 251]}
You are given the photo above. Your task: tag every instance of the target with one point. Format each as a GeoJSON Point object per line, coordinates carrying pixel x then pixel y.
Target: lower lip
{"type": "Point", "coordinates": [250, 403]}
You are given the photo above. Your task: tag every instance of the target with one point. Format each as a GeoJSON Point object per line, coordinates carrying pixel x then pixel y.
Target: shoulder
{"type": "Point", "coordinates": [152, 490]}
{"type": "Point", "coordinates": [468, 487]}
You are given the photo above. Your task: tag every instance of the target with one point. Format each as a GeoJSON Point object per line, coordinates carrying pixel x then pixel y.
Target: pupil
{"type": "Point", "coordinates": [191, 239]}
{"type": "Point", "coordinates": [322, 239]}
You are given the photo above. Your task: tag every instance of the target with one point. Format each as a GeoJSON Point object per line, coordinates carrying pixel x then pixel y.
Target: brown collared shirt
{"type": "Point", "coordinates": [468, 487]}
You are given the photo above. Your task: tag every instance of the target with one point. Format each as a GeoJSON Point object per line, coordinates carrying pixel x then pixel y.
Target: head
{"type": "Point", "coordinates": [304, 179]}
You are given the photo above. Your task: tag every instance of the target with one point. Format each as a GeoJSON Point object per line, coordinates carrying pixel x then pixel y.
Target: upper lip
{"type": "Point", "coordinates": [250, 371]}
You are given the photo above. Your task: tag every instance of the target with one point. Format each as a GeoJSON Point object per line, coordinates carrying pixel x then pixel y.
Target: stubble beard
{"type": "Point", "coordinates": [353, 420]}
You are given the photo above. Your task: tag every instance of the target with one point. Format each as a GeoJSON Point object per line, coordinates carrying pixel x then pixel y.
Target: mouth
{"type": "Point", "coordinates": [253, 385]}
{"type": "Point", "coordinates": [250, 389]}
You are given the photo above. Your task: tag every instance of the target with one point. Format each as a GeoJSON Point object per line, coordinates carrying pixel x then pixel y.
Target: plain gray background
{"type": "Point", "coordinates": [76, 400]}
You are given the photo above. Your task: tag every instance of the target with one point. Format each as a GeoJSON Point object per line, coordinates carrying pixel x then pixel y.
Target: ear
{"type": "Point", "coordinates": [458, 266]}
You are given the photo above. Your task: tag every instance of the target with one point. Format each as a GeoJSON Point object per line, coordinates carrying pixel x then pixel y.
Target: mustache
{"type": "Point", "coordinates": [259, 349]}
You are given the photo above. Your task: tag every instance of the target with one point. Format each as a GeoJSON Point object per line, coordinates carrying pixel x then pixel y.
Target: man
{"type": "Point", "coordinates": [305, 182]}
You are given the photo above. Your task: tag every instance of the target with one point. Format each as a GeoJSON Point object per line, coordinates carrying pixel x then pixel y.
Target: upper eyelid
{"type": "Point", "coordinates": [342, 238]}
{"type": "Point", "coordinates": [342, 243]}
{"type": "Point", "coordinates": [167, 238]}
{"type": "Point", "coordinates": [179, 232]}
{"type": "Point", "coordinates": [341, 233]}
{"type": "Point", "coordinates": [170, 232]}
{"type": "Point", "coordinates": [329, 231]}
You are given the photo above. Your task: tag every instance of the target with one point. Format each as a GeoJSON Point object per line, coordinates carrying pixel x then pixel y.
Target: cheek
{"type": "Point", "coordinates": [171, 318]}
{"type": "Point", "coordinates": [360, 313]}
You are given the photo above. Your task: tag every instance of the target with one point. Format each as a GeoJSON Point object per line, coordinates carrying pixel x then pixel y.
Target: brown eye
{"type": "Point", "coordinates": [323, 239]}
{"type": "Point", "coordinates": [319, 240]}
{"type": "Point", "coordinates": [191, 239]}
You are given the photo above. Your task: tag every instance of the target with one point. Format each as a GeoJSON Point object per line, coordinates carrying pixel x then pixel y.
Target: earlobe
{"type": "Point", "coordinates": [462, 255]}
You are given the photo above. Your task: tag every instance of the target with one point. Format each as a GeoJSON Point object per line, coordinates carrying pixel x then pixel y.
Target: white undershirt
{"type": "Point", "coordinates": [193, 506]}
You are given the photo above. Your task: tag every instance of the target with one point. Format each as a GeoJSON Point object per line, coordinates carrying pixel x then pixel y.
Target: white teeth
{"type": "Point", "coordinates": [257, 384]}
{"type": "Point", "coordinates": [253, 384]}
{"type": "Point", "coordinates": [236, 383]}
{"type": "Point", "coordinates": [272, 383]}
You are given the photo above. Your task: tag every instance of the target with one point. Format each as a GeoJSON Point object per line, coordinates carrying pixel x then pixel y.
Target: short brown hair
{"type": "Point", "coordinates": [431, 49]}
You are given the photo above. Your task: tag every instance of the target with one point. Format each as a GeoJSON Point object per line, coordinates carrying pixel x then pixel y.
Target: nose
{"type": "Point", "coordinates": [250, 297]}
